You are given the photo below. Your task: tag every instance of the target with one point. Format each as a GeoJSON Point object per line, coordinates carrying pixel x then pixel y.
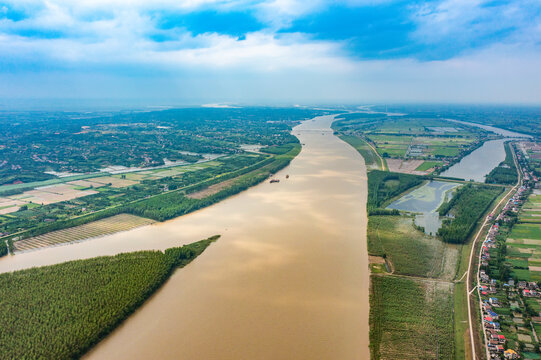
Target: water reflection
{"type": "Point", "coordinates": [287, 280]}
{"type": "Point", "coordinates": [479, 163]}
{"type": "Point", "coordinates": [426, 200]}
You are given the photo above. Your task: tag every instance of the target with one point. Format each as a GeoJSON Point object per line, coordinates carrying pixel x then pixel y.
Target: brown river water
{"type": "Point", "coordinates": [288, 279]}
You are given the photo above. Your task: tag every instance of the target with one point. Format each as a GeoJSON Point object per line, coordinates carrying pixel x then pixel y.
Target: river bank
{"type": "Point", "coordinates": [288, 278]}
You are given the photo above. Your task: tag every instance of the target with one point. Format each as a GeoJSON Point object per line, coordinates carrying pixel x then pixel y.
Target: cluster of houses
{"type": "Point", "coordinates": [528, 289]}
{"type": "Point", "coordinates": [489, 243]}
{"type": "Point", "coordinates": [523, 156]}
{"type": "Point", "coordinates": [487, 286]}
{"type": "Point", "coordinates": [513, 204]}
{"type": "Point", "coordinates": [496, 340]}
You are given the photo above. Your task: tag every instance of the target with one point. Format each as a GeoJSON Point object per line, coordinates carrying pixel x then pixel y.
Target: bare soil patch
{"type": "Point", "coordinates": [211, 190]}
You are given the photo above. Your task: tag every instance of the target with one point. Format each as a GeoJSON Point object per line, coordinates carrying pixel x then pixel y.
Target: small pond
{"type": "Point", "coordinates": [424, 201]}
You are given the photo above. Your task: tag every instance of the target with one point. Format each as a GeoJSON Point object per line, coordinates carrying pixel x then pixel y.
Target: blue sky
{"type": "Point", "coordinates": [276, 51]}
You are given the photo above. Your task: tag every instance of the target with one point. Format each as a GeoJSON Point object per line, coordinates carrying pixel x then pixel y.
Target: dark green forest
{"type": "Point", "coordinates": [506, 172]}
{"type": "Point", "coordinates": [60, 311]}
{"type": "Point", "coordinates": [383, 186]}
{"type": "Point", "coordinates": [469, 203]}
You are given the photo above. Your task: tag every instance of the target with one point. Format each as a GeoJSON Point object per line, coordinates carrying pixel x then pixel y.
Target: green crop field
{"type": "Point", "coordinates": [427, 165]}
{"type": "Point", "coordinates": [445, 151]}
{"type": "Point", "coordinates": [410, 251]}
{"type": "Point", "coordinates": [410, 138]}
{"type": "Point", "coordinates": [526, 231]}
{"type": "Point", "coordinates": [411, 319]}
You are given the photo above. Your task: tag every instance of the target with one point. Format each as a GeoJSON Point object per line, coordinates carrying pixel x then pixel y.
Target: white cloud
{"type": "Point", "coordinates": [213, 67]}
{"type": "Point", "coordinates": [456, 21]}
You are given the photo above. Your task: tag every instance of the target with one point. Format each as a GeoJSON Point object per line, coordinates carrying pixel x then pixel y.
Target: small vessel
{"type": "Point", "coordinates": [274, 181]}
{"type": "Point", "coordinates": [287, 176]}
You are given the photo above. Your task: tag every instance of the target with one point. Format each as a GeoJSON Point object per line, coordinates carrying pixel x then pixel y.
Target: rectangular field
{"type": "Point", "coordinates": [114, 181]}
{"type": "Point", "coordinates": [117, 223]}
{"type": "Point", "coordinates": [526, 231]}
{"type": "Point", "coordinates": [410, 251]}
{"type": "Point", "coordinates": [427, 165]}
{"type": "Point", "coordinates": [411, 319]}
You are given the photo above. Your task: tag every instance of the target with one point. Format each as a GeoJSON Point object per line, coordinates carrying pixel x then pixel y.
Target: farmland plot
{"type": "Point", "coordinates": [411, 319]}
{"type": "Point", "coordinates": [117, 223]}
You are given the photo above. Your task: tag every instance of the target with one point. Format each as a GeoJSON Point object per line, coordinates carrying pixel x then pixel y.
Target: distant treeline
{"type": "Point", "coordinates": [506, 171]}
{"type": "Point", "coordinates": [467, 206]}
{"type": "Point", "coordinates": [60, 311]}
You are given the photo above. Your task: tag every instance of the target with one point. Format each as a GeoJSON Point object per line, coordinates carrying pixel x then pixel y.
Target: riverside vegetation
{"type": "Point", "coordinates": [155, 193]}
{"type": "Point", "coordinates": [411, 296]}
{"type": "Point", "coordinates": [60, 311]}
{"type": "Point", "coordinates": [414, 295]}
{"type": "Point", "coordinates": [468, 204]}
{"type": "Point", "coordinates": [506, 172]}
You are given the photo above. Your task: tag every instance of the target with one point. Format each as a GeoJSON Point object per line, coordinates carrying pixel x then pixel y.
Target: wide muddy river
{"type": "Point", "coordinates": [288, 279]}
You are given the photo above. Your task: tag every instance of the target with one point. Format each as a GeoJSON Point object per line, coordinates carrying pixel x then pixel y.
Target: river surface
{"type": "Point", "coordinates": [503, 132]}
{"type": "Point", "coordinates": [288, 279]}
{"type": "Point", "coordinates": [479, 163]}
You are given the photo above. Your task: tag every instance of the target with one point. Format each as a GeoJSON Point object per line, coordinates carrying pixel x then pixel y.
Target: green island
{"type": "Point", "coordinates": [60, 311]}
{"type": "Point", "coordinates": [468, 203]}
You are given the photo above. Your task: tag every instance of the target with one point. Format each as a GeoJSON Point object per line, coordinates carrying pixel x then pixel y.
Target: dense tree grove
{"type": "Point", "coordinates": [60, 311]}
{"type": "Point", "coordinates": [506, 172]}
{"type": "Point", "coordinates": [34, 142]}
{"type": "Point", "coordinates": [173, 204]}
{"type": "Point", "coordinates": [383, 186]}
{"type": "Point", "coordinates": [467, 206]}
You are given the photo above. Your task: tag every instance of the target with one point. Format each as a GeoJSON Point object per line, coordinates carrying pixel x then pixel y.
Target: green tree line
{"type": "Point", "coordinates": [467, 206]}
{"type": "Point", "coordinates": [383, 186]}
{"type": "Point", "coordinates": [506, 171]}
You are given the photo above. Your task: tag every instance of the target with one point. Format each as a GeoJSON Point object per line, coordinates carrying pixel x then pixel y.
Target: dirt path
{"type": "Point", "coordinates": [383, 167]}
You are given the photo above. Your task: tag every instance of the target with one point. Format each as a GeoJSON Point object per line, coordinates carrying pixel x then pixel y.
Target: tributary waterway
{"type": "Point", "coordinates": [480, 162]}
